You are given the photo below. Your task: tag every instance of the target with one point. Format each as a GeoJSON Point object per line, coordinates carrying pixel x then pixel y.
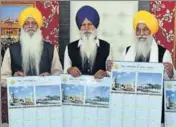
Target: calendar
{"type": "Point", "coordinates": [86, 101]}
{"type": "Point", "coordinates": [35, 101]}
{"type": "Point", "coordinates": [136, 94]}
{"type": "Point", "coordinates": [170, 103]}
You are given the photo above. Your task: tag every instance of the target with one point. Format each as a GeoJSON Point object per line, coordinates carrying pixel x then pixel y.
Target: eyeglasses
{"type": "Point", "coordinates": [145, 31]}
{"type": "Point", "coordinates": [33, 23]}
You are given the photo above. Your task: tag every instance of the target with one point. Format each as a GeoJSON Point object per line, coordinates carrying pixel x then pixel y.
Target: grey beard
{"type": "Point", "coordinates": [88, 48]}
{"type": "Point", "coordinates": [143, 47]}
{"type": "Point", "coordinates": [141, 58]}
{"type": "Point", "coordinates": [31, 51]}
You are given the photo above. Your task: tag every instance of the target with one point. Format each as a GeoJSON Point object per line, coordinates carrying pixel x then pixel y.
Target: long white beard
{"type": "Point", "coordinates": [143, 46]}
{"type": "Point", "coordinates": [31, 50]}
{"type": "Point", "coordinates": [88, 48]}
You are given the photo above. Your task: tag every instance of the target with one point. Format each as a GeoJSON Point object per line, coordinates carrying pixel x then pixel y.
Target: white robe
{"type": "Point", "coordinates": [131, 53]}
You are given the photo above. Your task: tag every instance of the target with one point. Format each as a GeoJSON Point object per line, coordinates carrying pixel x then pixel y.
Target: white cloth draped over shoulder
{"type": "Point", "coordinates": [131, 53]}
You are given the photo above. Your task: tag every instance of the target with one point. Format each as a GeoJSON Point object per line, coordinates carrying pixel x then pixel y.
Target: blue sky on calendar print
{"type": "Point", "coordinates": [145, 78]}
{"type": "Point", "coordinates": [124, 77]}
{"type": "Point", "coordinates": [73, 90]}
{"type": "Point", "coordinates": [22, 91]}
{"type": "Point", "coordinates": [101, 91]}
{"type": "Point", "coordinates": [172, 95]}
{"type": "Point", "coordinates": [50, 90]}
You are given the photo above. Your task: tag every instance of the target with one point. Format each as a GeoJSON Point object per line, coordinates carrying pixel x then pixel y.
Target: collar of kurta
{"type": "Point", "coordinates": [97, 42]}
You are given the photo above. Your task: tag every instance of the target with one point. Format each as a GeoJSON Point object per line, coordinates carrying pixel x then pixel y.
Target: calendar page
{"type": "Point", "coordinates": [34, 101]}
{"type": "Point", "coordinates": [86, 101]}
{"type": "Point", "coordinates": [136, 94]}
{"type": "Point", "coordinates": [170, 103]}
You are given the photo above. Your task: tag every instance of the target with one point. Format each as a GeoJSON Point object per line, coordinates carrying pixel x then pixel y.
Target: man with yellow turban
{"type": "Point", "coordinates": [31, 55]}
{"type": "Point", "coordinates": [87, 55]}
{"type": "Point", "coordinates": [145, 49]}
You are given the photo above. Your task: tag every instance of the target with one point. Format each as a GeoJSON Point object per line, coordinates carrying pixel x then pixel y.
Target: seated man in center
{"type": "Point", "coordinates": [88, 55]}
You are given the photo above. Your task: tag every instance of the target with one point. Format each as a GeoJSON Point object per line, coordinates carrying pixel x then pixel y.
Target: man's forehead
{"type": "Point", "coordinates": [141, 25]}
{"type": "Point", "coordinates": [30, 19]}
{"type": "Point", "coordinates": [86, 21]}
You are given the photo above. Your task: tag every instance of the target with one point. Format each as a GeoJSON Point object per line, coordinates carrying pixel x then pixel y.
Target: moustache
{"type": "Point", "coordinates": [87, 33]}
{"type": "Point", "coordinates": [142, 38]}
{"type": "Point", "coordinates": [30, 30]}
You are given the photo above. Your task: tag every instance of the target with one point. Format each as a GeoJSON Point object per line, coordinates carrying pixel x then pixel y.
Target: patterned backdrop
{"type": "Point", "coordinates": [164, 11]}
{"type": "Point", "coordinates": [50, 11]}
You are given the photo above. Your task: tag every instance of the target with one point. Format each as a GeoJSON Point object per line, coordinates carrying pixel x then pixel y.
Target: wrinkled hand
{"type": "Point", "coordinates": [74, 71]}
{"type": "Point", "coordinates": [100, 74]}
{"type": "Point", "coordinates": [168, 67]}
{"type": "Point", "coordinates": [19, 73]}
{"type": "Point", "coordinates": [44, 74]}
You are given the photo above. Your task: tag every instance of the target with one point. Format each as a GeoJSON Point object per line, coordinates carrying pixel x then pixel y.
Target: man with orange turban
{"type": "Point", "coordinates": [145, 49]}
{"type": "Point", "coordinates": [31, 55]}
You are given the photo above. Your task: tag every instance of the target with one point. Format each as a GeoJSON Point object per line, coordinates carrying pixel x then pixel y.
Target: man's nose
{"type": "Point", "coordinates": [30, 25]}
{"type": "Point", "coordinates": [87, 27]}
{"type": "Point", "coordinates": [141, 33]}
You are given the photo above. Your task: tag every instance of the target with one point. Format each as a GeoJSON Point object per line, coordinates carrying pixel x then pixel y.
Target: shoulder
{"type": "Point", "coordinates": [104, 44]}
{"type": "Point", "coordinates": [161, 47]}
{"type": "Point", "coordinates": [14, 45]}
{"type": "Point", "coordinates": [47, 43]}
{"type": "Point", "coordinates": [73, 43]}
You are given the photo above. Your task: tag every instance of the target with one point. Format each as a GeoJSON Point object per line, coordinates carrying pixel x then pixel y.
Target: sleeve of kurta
{"type": "Point", "coordinates": [56, 67]}
{"type": "Point", "coordinates": [67, 61]}
{"type": "Point", "coordinates": [168, 58]}
{"type": "Point", "coordinates": [110, 57]}
{"type": "Point", "coordinates": [6, 68]}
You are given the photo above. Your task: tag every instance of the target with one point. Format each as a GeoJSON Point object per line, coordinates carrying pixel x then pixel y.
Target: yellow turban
{"type": "Point", "coordinates": [30, 12]}
{"type": "Point", "coordinates": [148, 19]}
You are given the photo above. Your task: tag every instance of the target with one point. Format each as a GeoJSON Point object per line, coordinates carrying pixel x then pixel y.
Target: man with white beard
{"type": "Point", "coordinates": [145, 49]}
{"type": "Point", "coordinates": [31, 55]}
{"type": "Point", "coordinates": [87, 55]}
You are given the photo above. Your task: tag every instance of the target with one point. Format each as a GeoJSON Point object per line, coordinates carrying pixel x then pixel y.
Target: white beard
{"type": "Point", "coordinates": [31, 50]}
{"type": "Point", "coordinates": [88, 48]}
{"type": "Point", "coordinates": [143, 46]}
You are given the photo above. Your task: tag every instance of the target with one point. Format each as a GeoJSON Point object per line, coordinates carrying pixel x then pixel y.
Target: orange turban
{"type": "Point", "coordinates": [148, 19]}
{"type": "Point", "coordinates": [30, 12]}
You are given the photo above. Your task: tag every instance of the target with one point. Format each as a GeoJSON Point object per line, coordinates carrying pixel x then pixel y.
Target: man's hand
{"type": "Point", "coordinates": [19, 73]}
{"type": "Point", "coordinates": [44, 74]}
{"type": "Point", "coordinates": [168, 67]}
{"type": "Point", "coordinates": [100, 74]}
{"type": "Point", "coordinates": [74, 71]}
